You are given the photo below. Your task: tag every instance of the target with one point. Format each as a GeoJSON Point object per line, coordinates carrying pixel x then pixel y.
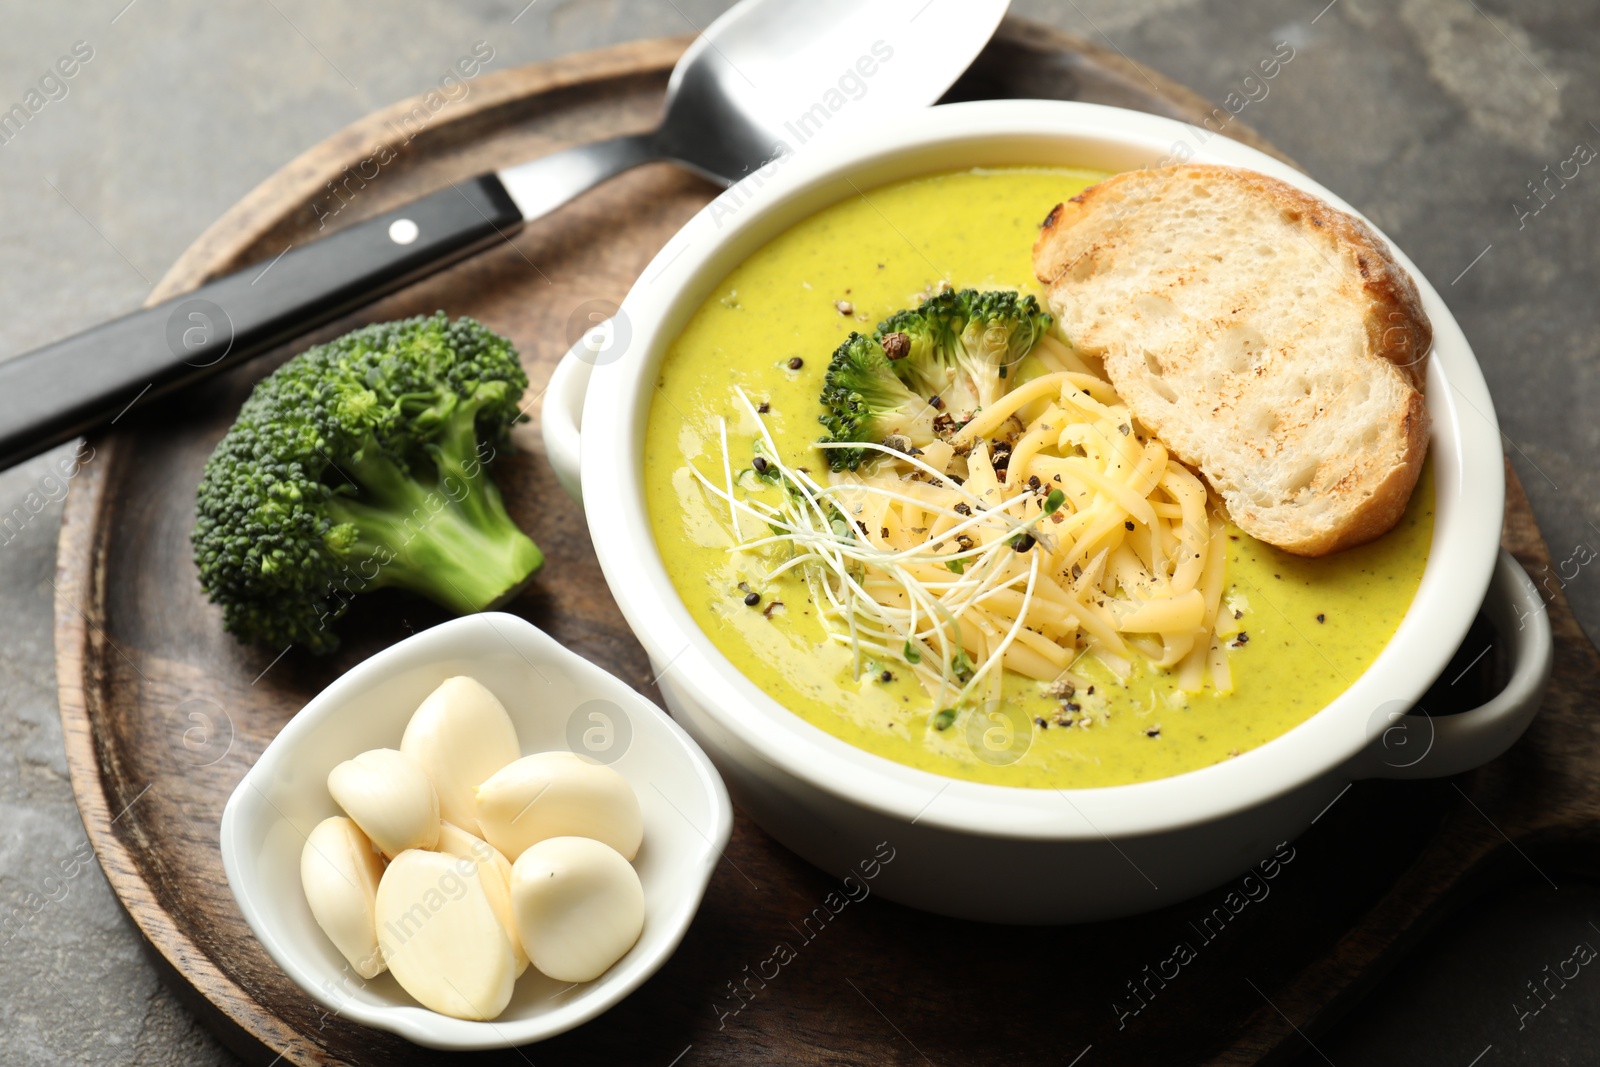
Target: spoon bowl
{"type": "Point", "coordinates": [770, 74]}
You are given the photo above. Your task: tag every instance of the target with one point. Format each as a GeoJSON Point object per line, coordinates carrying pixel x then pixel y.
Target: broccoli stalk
{"type": "Point", "coordinates": [360, 464]}
{"type": "Point", "coordinates": [426, 534]}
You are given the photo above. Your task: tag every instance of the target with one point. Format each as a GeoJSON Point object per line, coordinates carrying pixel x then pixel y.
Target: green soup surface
{"type": "Point", "coordinates": [1309, 626]}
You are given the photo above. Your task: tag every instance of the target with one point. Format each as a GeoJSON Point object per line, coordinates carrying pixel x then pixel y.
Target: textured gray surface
{"type": "Point", "coordinates": [1430, 115]}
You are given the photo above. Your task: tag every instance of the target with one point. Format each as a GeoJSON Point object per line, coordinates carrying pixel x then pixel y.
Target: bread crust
{"type": "Point", "coordinates": [1084, 234]}
{"type": "Point", "coordinates": [1387, 503]}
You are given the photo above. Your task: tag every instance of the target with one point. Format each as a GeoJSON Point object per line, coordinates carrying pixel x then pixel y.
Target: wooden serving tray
{"type": "Point", "coordinates": [163, 712]}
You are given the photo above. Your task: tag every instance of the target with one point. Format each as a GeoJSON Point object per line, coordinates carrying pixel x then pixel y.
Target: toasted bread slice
{"type": "Point", "coordinates": [1267, 339]}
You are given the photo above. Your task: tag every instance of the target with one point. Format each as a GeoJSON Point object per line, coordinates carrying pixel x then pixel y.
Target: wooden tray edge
{"type": "Point", "coordinates": [79, 548]}
{"type": "Point", "coordinates": [75, 634]}
{"type": "Point", "coordinates": [1419, 901]}
{"type": "Point", "coordinates": [224, 243]}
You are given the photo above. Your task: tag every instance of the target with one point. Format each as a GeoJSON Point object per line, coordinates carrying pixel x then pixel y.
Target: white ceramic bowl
{"type": "Point", "coordinates": [553, 697]}
{"type": "Point", "coordinates": [1026, 855]}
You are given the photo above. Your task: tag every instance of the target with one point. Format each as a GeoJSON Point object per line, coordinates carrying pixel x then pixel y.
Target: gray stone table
{"type": "Point", "coordinates": [1432, 116]}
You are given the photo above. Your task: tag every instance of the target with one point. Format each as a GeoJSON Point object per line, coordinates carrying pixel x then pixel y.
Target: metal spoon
{"type": "Point", "coordinates": [765, 78]}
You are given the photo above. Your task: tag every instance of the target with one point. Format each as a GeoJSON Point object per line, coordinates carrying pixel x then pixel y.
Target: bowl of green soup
{"type": "Point", "coordinates": [1018, 774]}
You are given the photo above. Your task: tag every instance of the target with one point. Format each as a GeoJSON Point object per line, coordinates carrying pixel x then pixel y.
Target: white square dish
{"type": "Point", "coordinates": [557, 700]}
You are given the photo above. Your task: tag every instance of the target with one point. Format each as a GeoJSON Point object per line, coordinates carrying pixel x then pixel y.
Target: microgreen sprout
{"type": "Point", "coordinates": [874, 598]}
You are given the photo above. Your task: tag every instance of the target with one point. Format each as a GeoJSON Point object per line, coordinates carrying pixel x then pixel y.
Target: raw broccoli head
{"type": "Point", "coordinates": [361, 464]}
{"type": "Point", "coordinates": [964, 346]}
{"type": "Point", "coordinates": [865, 400]}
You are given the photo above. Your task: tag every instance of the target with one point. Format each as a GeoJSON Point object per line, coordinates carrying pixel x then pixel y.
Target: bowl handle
{"type": "Point", "coordinates": [561, 416]}
{"type": "Point", "coordinates": [1460, 742]}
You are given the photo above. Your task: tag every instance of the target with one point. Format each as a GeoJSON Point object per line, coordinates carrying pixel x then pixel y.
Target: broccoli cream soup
{"type": "Point", "coordinates": [733, 468]}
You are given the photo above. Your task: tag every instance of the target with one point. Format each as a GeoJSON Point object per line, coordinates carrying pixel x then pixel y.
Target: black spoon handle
{"type": "Point", "coordinates": [54, 393]}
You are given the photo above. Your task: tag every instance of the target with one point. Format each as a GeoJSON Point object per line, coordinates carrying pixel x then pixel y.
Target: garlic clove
{"type": "Point", "coordinates": [340, 871]}
{"type": "Point", "coordinates": [441, 937]}
{"type": "Point", "coordinates": [494, 872]}
{"type": "Point", "coordinates": [579, 906]}
{"type": "Point", "coordinates": [459, 736]}
{"type": "Point", "coordinates": [390, 798]}
{"type": "Point", "coordinates": [558, 794]}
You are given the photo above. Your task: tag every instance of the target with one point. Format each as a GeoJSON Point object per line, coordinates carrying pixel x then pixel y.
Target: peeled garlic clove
{"type": "Point", "coordinates": [339, 872]}
{"type": "Point", "coordinates": [441, 937]}
{"type": "Point", "coordinates": [460, 736]}
{"type": "Point", "coordinates": [579, 906]}
{"type": "Point", "coordinates": [389, 798]}
{"type": "Point", "coordinates": [558, 794]}
{"type": "Point", "coordinates": [494, 872]}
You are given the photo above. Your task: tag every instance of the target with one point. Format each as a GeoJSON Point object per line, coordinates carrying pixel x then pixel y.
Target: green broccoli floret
{"type": "Point", "coordinates": [360, 464]}
{"type": "Point", "coordinates": [926, 338]}
{"type": "Point", "coordinates": [1000, 329]}
{"type": "Point", "coordinates": [963, 346]}
{"type": "Point", "coordinates": [866, 401]}
{"type": "Point", "coordinates": [928, 369]}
